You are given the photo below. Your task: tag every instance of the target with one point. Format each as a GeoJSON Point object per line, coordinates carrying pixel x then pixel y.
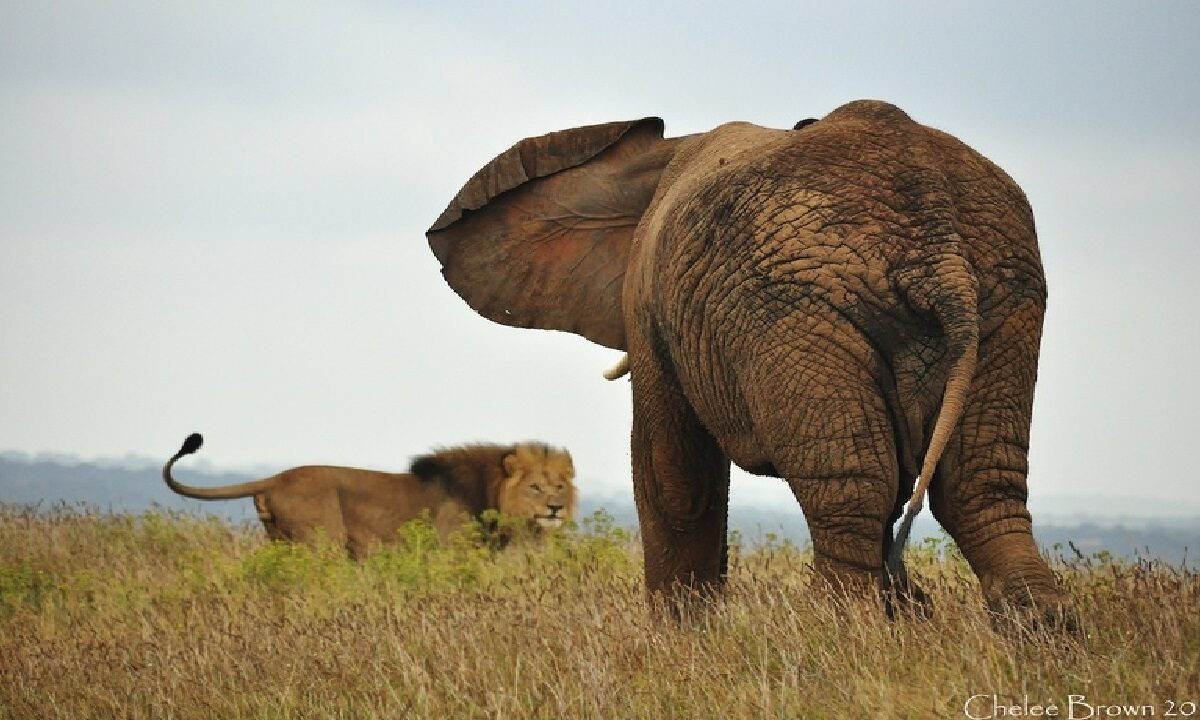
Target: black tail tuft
{"type": "Point", "coordinates": [428, 467]}
{"type": "Point", "coordinates": [191, 444]}
{"type": "Point", "coordinates": [895, 559]}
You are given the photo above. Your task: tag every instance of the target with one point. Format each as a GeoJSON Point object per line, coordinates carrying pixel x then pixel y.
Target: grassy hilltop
{"type": "Point", "coordinates": [174, 616]}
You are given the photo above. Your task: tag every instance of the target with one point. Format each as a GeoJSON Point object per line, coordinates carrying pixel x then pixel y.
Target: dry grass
{"type": "Point", "coordinates": [169, 616]}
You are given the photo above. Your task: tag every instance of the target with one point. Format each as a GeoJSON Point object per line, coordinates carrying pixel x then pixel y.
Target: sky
{"type": "Point", "coordinates": [212, 214]}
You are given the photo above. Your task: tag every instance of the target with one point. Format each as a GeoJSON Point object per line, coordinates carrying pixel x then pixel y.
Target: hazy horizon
{"type": "Point", "coordinates": [1044, 505]}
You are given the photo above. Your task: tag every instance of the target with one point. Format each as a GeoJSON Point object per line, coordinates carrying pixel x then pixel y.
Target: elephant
{"type": "Point", "coordinates": [854, 305]}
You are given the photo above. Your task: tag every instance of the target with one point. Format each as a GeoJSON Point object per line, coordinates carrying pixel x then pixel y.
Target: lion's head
{"type": "Point", "coordinates": [538, 484]}
{"type": "Point", "coordinates": [529, 481]}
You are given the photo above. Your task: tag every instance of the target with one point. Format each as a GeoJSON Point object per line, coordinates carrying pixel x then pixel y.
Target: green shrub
{"type": "Point", "coordinates": [23, 585]}
{"type": "Point", "coordinates": [419, 561]}
{"type": "Point", "coordinates": [286, 567]}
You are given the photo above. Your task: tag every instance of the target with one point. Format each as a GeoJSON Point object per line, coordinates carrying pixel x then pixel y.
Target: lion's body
{"type": "Point", "coordinates": [362, 509]}
{"type": "Point", "coordinates": [359, 509]}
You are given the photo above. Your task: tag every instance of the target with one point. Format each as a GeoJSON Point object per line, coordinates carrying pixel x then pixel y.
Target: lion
{"type": "Point", "coordinates": [363, 509]}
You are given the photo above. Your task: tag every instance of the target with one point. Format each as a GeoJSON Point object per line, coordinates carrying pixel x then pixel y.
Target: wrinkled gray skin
{"type": "Point", "coordinates": [840, 305]}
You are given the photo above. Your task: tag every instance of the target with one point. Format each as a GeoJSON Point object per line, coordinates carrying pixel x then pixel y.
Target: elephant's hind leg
{"type": "Point", "coordinates": [979, 492]}
{"type": "Point", "coordinates": [681, 485]}
{"type": "Point", "coordinates": [846, 488]}
{"type": "Point", "coordinates": [819, 412]}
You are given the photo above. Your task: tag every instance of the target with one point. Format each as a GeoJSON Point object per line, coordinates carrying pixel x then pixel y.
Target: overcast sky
{"type": "Point", "coordinates": [212, 213]}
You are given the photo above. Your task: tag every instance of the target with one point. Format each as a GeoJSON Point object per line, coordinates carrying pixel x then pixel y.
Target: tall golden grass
{"type": "Point", "coordinates": [174, 616]}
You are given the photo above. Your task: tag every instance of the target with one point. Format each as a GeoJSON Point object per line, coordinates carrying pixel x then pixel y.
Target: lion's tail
{"type": "Point", "coordinates": [226, 492]}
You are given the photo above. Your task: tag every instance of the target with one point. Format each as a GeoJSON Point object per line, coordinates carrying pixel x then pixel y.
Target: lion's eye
{"type": "Point", "coordinates": [535, 487]}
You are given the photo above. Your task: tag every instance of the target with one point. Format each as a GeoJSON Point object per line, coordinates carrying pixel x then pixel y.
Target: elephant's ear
{"type": "Point", "coordinates": [540, 236]}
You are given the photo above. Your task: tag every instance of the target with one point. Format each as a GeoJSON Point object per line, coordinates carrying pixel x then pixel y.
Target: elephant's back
{"type": "Point", "coordinates": [882, 164]}
{"type": "Point", "coordinates": [871, 191]}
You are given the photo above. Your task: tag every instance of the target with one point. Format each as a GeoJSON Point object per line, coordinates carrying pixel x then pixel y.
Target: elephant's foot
{"type": "Point", "coordinates": [844, 580]}
{"type": "Point", "coordinates": [900, 597]}
{"type": "Point", "coordinates": [849, 565]}
{"type": "Point", "coordinates": [1021, 591]}
{"type": "Point", "coordinates": [1027, 599]}
{"type": "Point", "coordinates": [683, 603]}
{"type": "Point", "coordinates": [1028, 609]}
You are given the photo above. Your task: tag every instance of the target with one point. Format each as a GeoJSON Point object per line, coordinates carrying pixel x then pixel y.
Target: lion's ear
{"type": "Point", "coordinates": [540, 236]}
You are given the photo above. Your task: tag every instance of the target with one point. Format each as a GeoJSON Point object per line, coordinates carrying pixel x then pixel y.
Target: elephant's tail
{"type": "Point", "coordinates": [226, 492]}
{"type": "Point", "coordinates": [951, 293]}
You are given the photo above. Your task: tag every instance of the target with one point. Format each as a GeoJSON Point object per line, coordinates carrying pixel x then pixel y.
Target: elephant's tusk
{"type": "Point", "coordinates": [618, 370]}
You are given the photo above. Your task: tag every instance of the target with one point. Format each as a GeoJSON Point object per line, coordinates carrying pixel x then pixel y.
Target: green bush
{"type": "Point", "coordinates": [419, 561]}
{"type": "Point", "coordinates": [285, 567]}
{"type": "Point", "coordinates": [23, 585]}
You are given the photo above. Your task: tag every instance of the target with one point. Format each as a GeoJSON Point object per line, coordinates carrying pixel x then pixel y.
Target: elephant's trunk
{"type": "Point", "coordinates": [952, 294]}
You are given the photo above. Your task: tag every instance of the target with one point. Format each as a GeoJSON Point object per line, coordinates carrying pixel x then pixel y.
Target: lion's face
{"type": "Point", "coordinates": [539, 485]}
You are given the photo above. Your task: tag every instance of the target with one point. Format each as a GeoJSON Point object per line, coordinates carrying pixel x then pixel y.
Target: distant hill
{"type": "Point", "coordinates": [113, 488]}
{"type": "Point", "coordinates": [134, 485]}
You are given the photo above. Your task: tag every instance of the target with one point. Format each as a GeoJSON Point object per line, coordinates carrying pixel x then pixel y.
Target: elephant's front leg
{"type": "Point", "coordinates": [681, 485]}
